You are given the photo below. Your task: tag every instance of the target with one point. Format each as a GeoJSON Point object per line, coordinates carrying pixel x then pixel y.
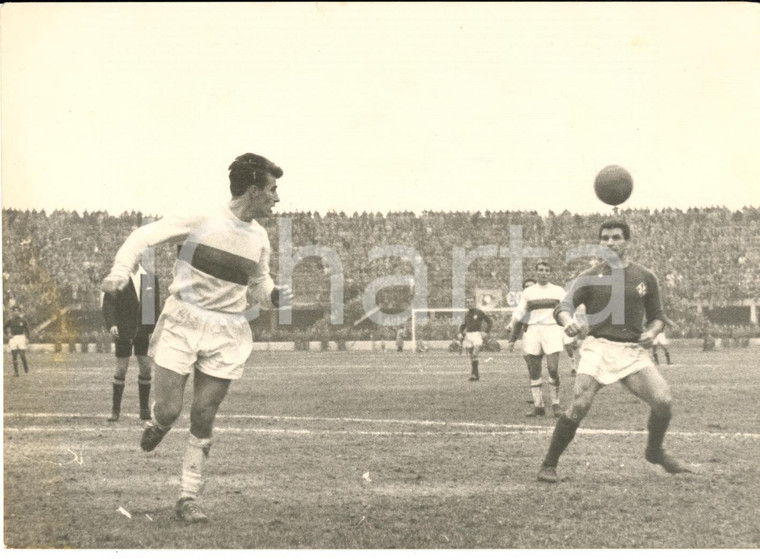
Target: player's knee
{"type": "Point", "coordinates": [202, 421]}
{"type": "Point", "coordinates": [166, 413]}
{"type": "Point", "coordinates": [662, 405]}
{"type": "Point", "coordinates": [578, 410]}
{"type": "Point", "coordinates": [144, 371]}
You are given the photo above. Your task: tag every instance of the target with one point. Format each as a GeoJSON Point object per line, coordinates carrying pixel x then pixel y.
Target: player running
{"type": "Point", "coordinates": [620, 296]}
{"type": "Point", "coordinates": [203, 328]}
{"type": "Point", "coordinates": [471, 336]}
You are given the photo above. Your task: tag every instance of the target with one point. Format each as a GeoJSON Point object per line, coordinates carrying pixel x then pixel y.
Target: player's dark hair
{"type": "Point", "coordinates": [526, 281]}
{"type": "Point", "coordinates": [616, 224]}
{"type": "Point", "coordinates": [249, 170]}
{"type": "Point", "coordinates": [543, 263]}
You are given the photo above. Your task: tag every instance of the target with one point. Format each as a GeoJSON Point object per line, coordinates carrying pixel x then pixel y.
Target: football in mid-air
{"type": "Point", "coordinates": [613, 185]}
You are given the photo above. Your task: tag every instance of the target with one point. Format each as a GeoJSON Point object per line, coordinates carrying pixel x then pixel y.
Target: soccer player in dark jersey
{"type": "Point", "coordinates": [17, 331]}
{"type": "Point", "coordinates": [470, 333]}
{"type": "Point", "coordinates": [624, 312]}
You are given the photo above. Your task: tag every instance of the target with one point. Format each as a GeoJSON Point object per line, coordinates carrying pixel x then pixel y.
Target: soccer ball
{"type": "Point", "coordinates": [613, 185]}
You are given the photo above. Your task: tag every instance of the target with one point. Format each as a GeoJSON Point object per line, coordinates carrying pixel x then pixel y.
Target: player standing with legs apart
{"type": "Point", "coordinates": [470, 333]}
{"type": "Point", "coordinates": [130, 329]}
{"type": "Point", "coordinates": [543, 337]}
{"type": "Point", "coordinates": [661, 342]}
{"type": "Point", "coordinates": [203, 328]}
{"type": "Point", "coordinates": [624, 313]}
{"type": "Point", "coordinates": [17, 331]}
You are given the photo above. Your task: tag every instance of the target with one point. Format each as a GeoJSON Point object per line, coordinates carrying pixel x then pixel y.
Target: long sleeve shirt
{"type": "Point", "coordinates": [219, 256]}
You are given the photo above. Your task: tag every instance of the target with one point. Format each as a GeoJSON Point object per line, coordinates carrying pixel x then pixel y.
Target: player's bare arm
{"type": "Point", "coordinates": [565, 319]}
{"type": "Point", "coordinates": [653, 328]}
{"type": "Point", "coordinates": [113, 283]}
{"type": "Point", "coordinates": [282, 296]}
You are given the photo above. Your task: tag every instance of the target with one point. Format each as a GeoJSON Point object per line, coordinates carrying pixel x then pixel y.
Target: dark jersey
{"type": "Point", "coordinates": [16, 327]}
{"type": "Point", "coordinates": [474, 319]}
{"type": "Point", "coordinates": [619, 303]}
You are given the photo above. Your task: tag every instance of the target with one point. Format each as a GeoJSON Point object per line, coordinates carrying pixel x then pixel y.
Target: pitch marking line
{"type": "Point", "coordinates": [507, 429]}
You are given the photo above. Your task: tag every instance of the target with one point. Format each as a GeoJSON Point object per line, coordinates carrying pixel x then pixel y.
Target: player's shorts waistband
{"type": "Point", "coordinates": [617, 342]}
{"type": "Point", "coordinates": [176, 299]}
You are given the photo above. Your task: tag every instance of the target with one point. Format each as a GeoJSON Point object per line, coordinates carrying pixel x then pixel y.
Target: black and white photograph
{"type": "Point", "coordinates": [391, 278]}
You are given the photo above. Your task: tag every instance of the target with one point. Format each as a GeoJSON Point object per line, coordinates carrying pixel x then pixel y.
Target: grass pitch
{"type": "Point", "coordinates": [358, 450]}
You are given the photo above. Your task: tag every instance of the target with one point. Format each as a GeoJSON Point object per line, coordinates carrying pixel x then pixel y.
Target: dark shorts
{"type": "Point", "coordinates": [139, 343]}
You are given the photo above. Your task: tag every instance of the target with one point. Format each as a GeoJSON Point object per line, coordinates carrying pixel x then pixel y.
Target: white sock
{"type": "Point", "coordinates": [196, 452]}
{"type": "Point", "coordinates": [155, 421]}
{"type": "Point", "coordinates": [535, 390]}
{"type": "Point", "coordinates": [554, 391]}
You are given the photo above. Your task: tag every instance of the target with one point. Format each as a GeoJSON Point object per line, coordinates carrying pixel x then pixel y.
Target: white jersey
{"type": "Point", "coordinates": [539, 302]}
{"type": "Point", "coordinates": [218, 257]}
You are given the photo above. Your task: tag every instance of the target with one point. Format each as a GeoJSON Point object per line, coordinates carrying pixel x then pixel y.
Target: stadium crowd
{"type": "Point", "coordinates": [709, 255]}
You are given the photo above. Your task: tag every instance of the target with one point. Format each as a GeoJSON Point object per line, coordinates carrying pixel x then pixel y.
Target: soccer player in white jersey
{"type": "Point", "coordinates": [543, 337]}
{"type": "Point", "coordinates": [203, 328]}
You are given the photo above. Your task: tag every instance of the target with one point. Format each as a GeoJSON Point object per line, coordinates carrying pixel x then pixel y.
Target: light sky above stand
{"type": "Point", "coordinates": [382, 107]}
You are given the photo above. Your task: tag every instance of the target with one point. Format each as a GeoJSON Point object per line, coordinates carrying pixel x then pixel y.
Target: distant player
{"type": "Point", "coordinates": [573, 343]}
{"type": "Point", "coordinates": [400, 334]}
{"type": "Point", "coordinates": [542, 338]}
{"type": "Point", "coordinates": [476, 323]}
{"type": "Point", "coordinates": [518, 328]}
{"type": "Point", "coordinates": [17, 331]}
{"type": "Point", "coordinates": [661, 342]}
{"type": "Point", "coordinates": [572, 347]}
{"type": "Point", "coordinates": [621, 330]}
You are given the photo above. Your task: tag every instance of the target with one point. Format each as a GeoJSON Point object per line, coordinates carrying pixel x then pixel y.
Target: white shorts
{"type": "Point", "coordinates": [17, 343]}
{"type": "Point", "coordinates": [543, 339]}
{"type": "Point", "coordinates": [608, 362]}
{"type": "Point", "coordinates": [661, 340]}
{"type": "Point", "coordinates": [188, 337]}
{"type": "Point", "coordinates": [472, 340]}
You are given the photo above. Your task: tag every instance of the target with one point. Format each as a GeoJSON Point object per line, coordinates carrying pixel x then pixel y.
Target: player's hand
{"type": "Point", "coordinates": [115, 332]}
{"type": "Point", "coordinates": [111, 284]}
{"type": "Point", "coordinates": [282, 296]}
{"type": "Point", "coordinates": [647, 339]}
{"type": "Point", "coordinates": [572, 329]}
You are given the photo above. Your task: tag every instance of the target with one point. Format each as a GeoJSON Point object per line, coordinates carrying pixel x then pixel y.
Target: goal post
{"type": "Point", "coordinates": [455, 317]}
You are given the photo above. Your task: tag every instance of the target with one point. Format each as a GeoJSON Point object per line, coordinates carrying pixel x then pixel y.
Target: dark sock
{"type": "Point", "coordinates": [657, 426]}
{"type": "Point", "coordinates": [564, 431]}
{"type": "Point", "coordinates": [475, 367]}
{"type": "Point", "coordinates": [118, 392]}
{"type": "Point", "coordinates": [23, 361]}
{"type": "Point", "coordinates": [143, 391]}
